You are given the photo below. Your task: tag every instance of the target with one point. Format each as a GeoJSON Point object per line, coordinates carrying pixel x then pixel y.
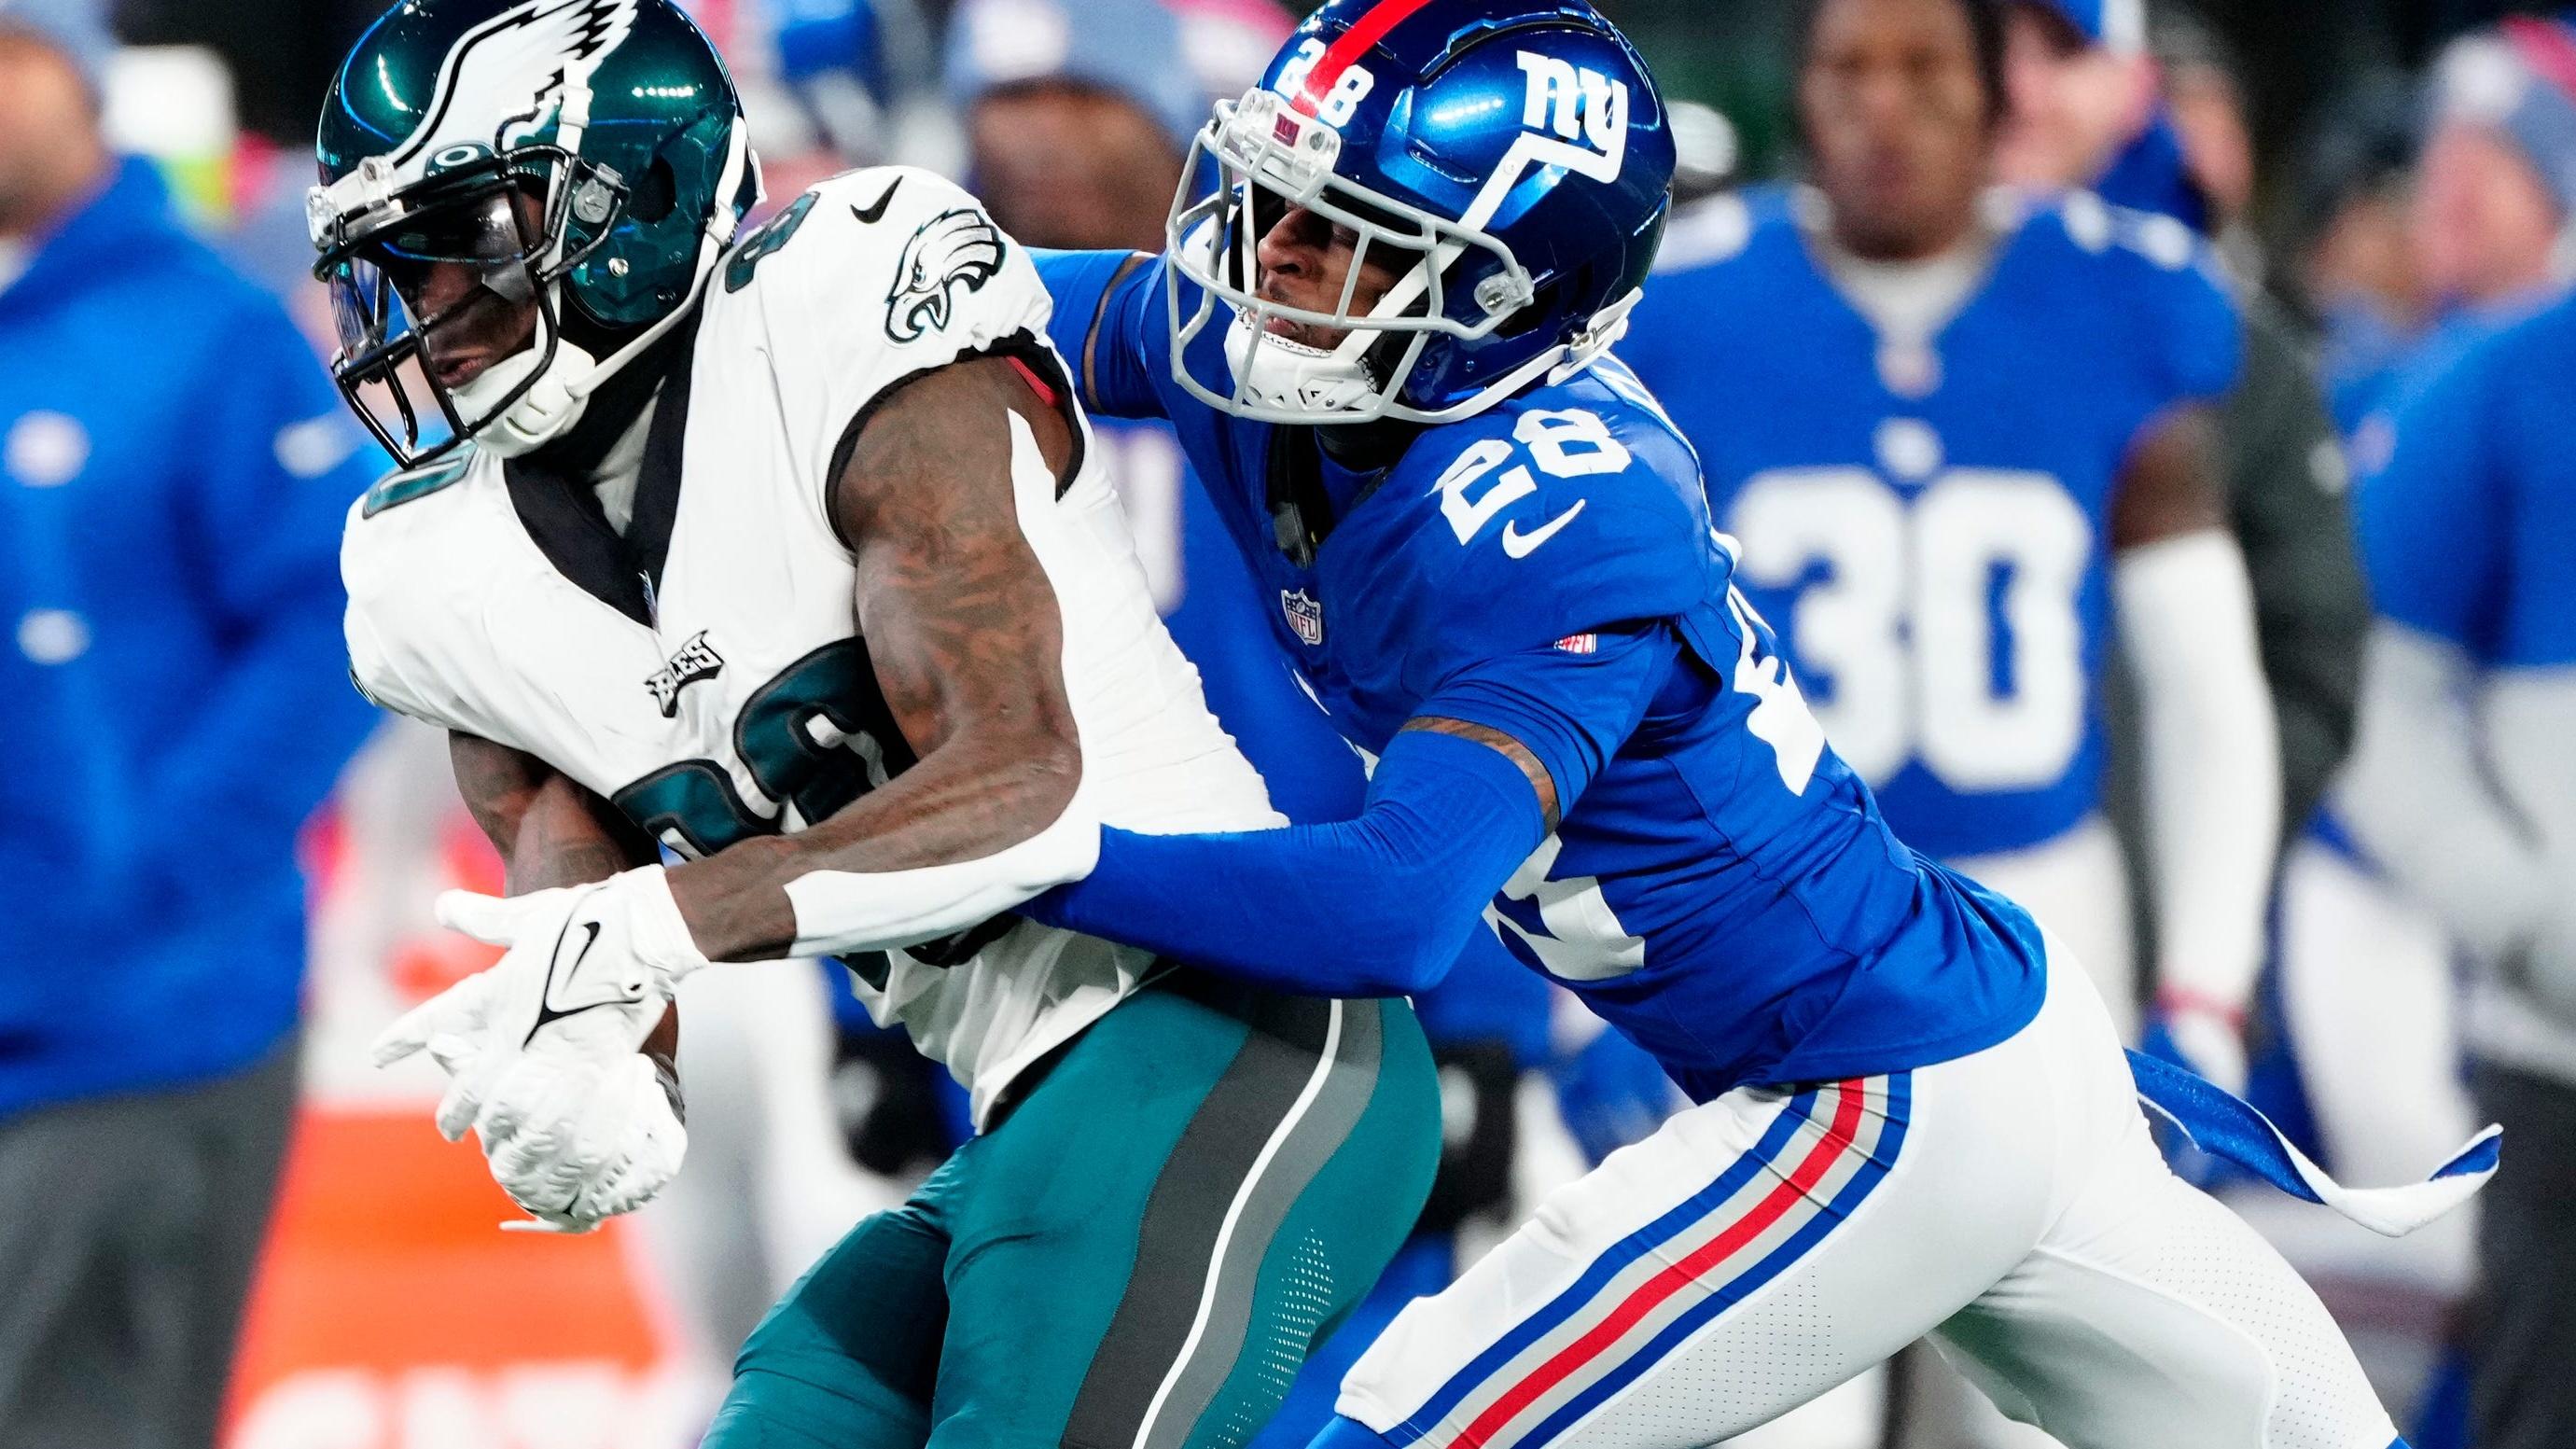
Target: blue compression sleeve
{"type": "Point", "coordinates": [1376, 906]}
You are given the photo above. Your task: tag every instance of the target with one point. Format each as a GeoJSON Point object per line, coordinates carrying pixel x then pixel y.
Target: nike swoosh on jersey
{"type": "Point", "coordinates": [1522, 545]}
{"type": "Point", "coordinates": [872, 214]}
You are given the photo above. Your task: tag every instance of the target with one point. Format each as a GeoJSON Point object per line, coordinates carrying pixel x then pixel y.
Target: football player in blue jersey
{"type": "Point", "coordinates": [1383, 337]}
{"type": "Point", "coordinates": [1966, 439]}
{"type": "Point", "coordinates": [2461, 791]}
{"type": "Point", "coordinates": [1064, 140]}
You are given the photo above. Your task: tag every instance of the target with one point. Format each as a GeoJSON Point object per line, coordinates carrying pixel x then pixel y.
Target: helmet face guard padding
{"type": "Point", "coordinates": [1264, 151]}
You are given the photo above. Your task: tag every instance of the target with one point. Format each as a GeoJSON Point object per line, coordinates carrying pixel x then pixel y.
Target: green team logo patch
{"type": "Point", "coordinates": [396, 489]}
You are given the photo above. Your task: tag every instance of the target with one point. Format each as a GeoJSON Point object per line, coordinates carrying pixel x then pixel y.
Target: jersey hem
{"type": "Point", "coordinates": [1883, 1060]}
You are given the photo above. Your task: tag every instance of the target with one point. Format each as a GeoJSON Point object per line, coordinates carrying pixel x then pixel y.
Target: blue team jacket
{"type": "Point", "coordinates": [174, 698]}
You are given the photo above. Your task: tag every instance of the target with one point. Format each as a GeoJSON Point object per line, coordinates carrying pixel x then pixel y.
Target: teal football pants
{"type": "Point", "coordinates": [1138, 1257]}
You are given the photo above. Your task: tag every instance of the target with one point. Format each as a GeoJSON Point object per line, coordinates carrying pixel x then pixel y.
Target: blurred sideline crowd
{"type": "Point", "coordinates": [2328, 856]}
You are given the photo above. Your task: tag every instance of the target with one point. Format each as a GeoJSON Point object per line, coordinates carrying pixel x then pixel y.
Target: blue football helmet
{"type": "Point", "coordinates": [1512, 155]}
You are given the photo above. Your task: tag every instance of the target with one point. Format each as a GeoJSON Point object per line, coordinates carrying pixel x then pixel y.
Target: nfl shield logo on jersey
{"type": "Point", "coordinates": [1305, 615]}
{"type": "Point", "coordinates": [696, 660]}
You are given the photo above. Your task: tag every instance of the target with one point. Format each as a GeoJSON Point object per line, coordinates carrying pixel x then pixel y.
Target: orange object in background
{"type": "Point", "coordinates": [392, 1313]}
{"type": "Point", "coordinates": [390, 1310]}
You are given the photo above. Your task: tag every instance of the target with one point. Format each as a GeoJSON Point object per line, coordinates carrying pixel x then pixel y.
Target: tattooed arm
{"type": "Point", "coordinates": [550, 831]}
{"type": "Point", "coordinates": [968, 640]}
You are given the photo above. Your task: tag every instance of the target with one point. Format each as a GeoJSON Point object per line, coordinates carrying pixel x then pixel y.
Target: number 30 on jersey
{"type": "Point", "coordinates": [1902, 624]}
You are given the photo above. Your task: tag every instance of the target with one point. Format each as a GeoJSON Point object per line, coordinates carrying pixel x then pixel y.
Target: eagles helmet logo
{"type": "Point", "coordinates": [541, 49]}
{"type": "Point", "coordinates": [953, 249]}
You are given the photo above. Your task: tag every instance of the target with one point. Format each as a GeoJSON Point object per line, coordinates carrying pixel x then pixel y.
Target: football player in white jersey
{"type": "Point", "coordinates": [785, 555]}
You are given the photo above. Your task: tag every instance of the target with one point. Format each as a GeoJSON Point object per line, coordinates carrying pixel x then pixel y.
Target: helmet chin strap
{"type": "Point", "coordinates": [1275, 372]}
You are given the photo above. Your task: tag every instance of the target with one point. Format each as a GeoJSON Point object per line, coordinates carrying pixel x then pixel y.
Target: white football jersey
{"type": "Point", "coordinates": [733, 696]}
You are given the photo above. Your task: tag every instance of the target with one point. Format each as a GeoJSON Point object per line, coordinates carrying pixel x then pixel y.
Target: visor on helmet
{"type": "Point", "coordinates": [516, 234]}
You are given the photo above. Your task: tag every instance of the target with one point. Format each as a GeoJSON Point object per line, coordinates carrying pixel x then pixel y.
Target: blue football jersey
{"type": "Point", "coordinates": [2467, 516]}
{"type": "Point", "coordinates": [1209, 603]}
{"type": "Point", "coordinates": [1927, 521]}
{"type": "Point", "coordinates": [1724, 891]}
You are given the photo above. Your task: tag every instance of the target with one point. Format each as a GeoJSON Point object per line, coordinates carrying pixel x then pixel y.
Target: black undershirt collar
{"type": "Point", "coordinates": [550, 491]}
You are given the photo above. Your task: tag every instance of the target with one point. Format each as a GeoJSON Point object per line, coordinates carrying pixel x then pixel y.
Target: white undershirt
{"type": "Point", "coordinates": [1910, 299]}
{"type": "Point", "coordinates": [14, 256]}
{"type": "Point", "coordinates": [617, 474]}
{"type": "Point", "coordinates": [1906, 303]}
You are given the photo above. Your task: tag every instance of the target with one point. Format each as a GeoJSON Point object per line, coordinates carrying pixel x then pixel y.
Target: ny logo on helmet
{"type": "Point", "coordinates": [1580, 116]}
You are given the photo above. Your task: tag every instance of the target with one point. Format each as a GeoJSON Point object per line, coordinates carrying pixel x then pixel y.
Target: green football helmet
{"type": "Point", "coordinates": [586, 155]}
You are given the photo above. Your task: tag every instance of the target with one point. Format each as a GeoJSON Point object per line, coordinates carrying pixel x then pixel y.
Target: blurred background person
{"type": "Point", "coordinates": [173, 703]}
{"type": "Point", "coordinates": [2373, 1030]}
{"type": "Point", "coordinates": [2279, 452]}
{"type": "Point", "coordinates": [2178, 143]}
{"type": "Point", "coordinates": [1900, 337]}
{"type": "Point", "coordinates": [1964, 436]}
{"type": "Point", "coordinates": [2495, 192]}
{"type": "Point", "coordinates": [860, 73]}
{"type": "Point", "coordinates": [2161, 129]}
{"type": "Point", "coordinates": [2202, 85]}
{"type": "Point", "coordinates": [2499, 166]}
{"type": "Point", "coordinates": [2351, 262]}
{"type": "Point", "coordinates": [2463, 790]}
{"type": "Point", "coordinates": [2361, 1060]}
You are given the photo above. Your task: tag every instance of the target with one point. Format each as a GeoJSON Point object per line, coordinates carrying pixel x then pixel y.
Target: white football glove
{"type": "Point", "coordinates": [577, 1141]}
{"type": "Point", "coordinates": [541, 1049]}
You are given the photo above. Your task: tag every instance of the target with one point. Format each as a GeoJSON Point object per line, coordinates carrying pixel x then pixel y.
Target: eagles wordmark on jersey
{"type": "Point", "coordinates": [725, 533]}
{"type": "Point", "coordinates": [732, 695]}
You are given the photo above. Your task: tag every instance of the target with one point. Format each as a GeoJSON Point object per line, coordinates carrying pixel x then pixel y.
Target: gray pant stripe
{"type": "Point", "coordinates": [1311, 1141]}
{"type": "Point", "coordinates": [1186, 1213]}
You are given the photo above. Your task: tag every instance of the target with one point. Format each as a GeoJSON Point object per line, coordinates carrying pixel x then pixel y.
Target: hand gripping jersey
{"type": "Point", "coordinates": [727, 692]}
{"type": "Point", "coordinates": [1927, 519]}
{"type": "Point", "coordinates": [1724, 890]}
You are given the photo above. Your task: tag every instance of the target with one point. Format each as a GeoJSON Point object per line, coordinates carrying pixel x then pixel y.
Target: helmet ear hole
{"type": "Point", "coordinates": [656, 194]}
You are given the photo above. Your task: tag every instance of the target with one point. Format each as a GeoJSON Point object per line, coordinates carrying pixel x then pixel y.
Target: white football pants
{"type": "Point", "coordinates": [1764, 1247]}
{"type": "Point", "coordinates": [2076, 885]}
